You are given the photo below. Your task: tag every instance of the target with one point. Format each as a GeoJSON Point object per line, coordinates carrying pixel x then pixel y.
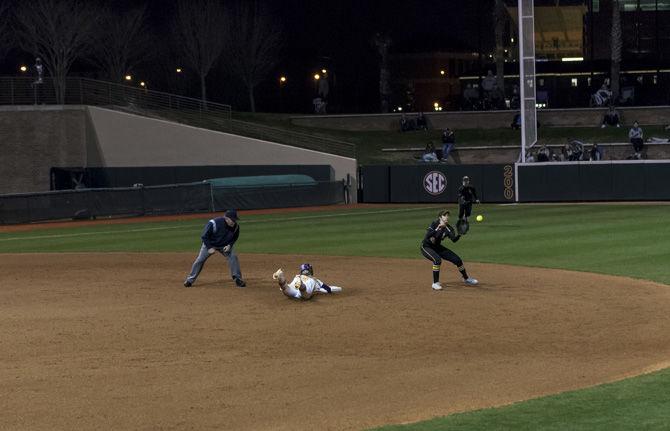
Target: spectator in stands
{"type": "Point", "coordinates": [516, 122]}
{"type": "Point", "coordinates": [530, 158]}
{"type": "Point", "coordinates": [602, 96]}
{"type": "Point", "coordinates": [577, 149]}
{"type": "Point", "coordinates": [319, 105]}
{"type": "Point", "coordinates": [596, 153]}
{"type": "Point", "coordinates": [497, 97]}
{"type": "Point", "coordinates": [429, 153]}
{"type": "Point", "coordinates": [566, 152]}
{"type": "Point", "coordinates": [636, 139]}
{"type": "Point", "coordinates": [421, 122]}
{"type": "Point", "coordinates": [448, 143]}
{"type": "Point", "coordinates": [488, 84]}
{"type": "Point", "coordinates": [39, 71]}
{"type": "Point", "coordinates": [611, 118]}
{"type": "Point", "coordinates": [544, 154]}
{"type": "Point", "coordinates": [516, 97]}
{"type": "Point", "coordinates": [470, 96]}
{"type": "Point", "coordinates": [405, 124]}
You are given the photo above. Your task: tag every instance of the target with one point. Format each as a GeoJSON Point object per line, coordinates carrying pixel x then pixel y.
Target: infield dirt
{"type": "Point", "coordinates": [113, 341]}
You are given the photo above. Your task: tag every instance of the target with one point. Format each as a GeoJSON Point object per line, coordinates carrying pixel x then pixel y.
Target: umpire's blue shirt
{"type": "Point", "coordinates": [218, 234]}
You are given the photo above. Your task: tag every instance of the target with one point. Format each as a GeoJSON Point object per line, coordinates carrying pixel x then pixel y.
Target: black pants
{"type": "Point", "coordinates": [464, 209]}
{"type": "Point", "coordinates": [438, 252]}
{"type": "Point", "coordinates": [638, 144]}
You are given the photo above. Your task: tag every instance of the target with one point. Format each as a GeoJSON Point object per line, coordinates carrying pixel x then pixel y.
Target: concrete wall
{"type": "Point", "coordinates": [35, 138]}
{"type": "Point", "coordinates": [129, 140]}
{"type": "Point", "coordinates": [485, 119]}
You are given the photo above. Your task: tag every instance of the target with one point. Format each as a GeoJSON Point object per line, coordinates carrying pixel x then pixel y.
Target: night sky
{"type": "Point", "coordinates": [334, 34]}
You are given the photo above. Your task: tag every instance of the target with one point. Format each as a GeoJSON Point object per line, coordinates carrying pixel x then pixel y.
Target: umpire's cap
{"type": "Point", "coordinates": [231, 214]}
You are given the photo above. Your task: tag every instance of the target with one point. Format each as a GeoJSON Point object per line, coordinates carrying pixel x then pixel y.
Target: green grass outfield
{"type": "Point", "coordinates": [369, 144]}
{"type": "Point", "coordinates": [629, 240]}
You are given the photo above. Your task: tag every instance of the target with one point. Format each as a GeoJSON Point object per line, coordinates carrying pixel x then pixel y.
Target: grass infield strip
{"type": "Point", "coordinates": [640, 403]}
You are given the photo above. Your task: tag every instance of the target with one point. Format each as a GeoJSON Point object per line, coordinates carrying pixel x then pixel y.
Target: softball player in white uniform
{"type": "Point", "coordinates": [304, 285]}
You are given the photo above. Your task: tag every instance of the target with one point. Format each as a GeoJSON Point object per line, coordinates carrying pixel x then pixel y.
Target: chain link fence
{"type": "Point", "coordinates": [162, 200]}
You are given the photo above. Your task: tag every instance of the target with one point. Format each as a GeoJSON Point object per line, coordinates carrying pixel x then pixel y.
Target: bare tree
{"type": "Point", "coordinates": [58, 31]}
{"type": "Point", "coordinates": [254, 44]}
{"type": "Point", "coordinates": [616, 44]}
{"type": "Point", "coordinates": [4, 27]}
{"type": "Point", "coordinates": [201, 26]}
{"type": "Point", "coordinates": [500, 19]}
{"type": "Point", "coordinates": [124, 42]}
{"type": "Point", "coordinates": [383, 43]}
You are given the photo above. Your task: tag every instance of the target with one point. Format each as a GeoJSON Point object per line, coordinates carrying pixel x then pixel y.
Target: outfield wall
{"type": "Point", "coordinates": [617, 180]}
{"type": "Point", "coordinates": [434, 183]}
{"type": "Point", "coordinates": [532, 182]}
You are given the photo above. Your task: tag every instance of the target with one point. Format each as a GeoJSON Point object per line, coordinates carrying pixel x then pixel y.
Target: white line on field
{"type": "Point", "coordinates": [273, 220]}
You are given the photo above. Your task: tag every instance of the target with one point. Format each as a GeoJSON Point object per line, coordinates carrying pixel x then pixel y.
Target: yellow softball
{"type": "Point", "coordinates": [480, 217]}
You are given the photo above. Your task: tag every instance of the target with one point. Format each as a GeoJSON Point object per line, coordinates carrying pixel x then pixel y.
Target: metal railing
{"type": "Point", "coordinates": [157, 104]}
{"type": "Point", "coordinates": [296, 139]}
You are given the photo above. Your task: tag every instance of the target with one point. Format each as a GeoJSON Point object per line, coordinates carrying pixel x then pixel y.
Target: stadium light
{"type": "Point", "coordinates": [317, 76]}
{"type": "Point", "coordinates": [442, 72]}
{"type": "Point", "coordinates": [142, 84]}
{"type": "Point", "coordinates": [179, 70]}
{"type": "Point", "coordinates": [324, 71]}
{"type": "Point", "coordinates": [572, 59]}
{"type": "Point", "coordinates": [129, 78]}
{"type": "Point", "coordinates": [23, 68]}
{"type": "Point", "coordinates": [282, 79]}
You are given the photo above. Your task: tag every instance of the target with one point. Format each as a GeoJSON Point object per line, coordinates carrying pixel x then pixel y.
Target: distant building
{"type": "Point", "coordinates": [572, 46]}
{"type": "Point", "coordinates": [429, 81]}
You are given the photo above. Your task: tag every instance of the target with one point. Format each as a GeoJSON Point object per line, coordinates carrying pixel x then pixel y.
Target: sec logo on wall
{"type": "Point", "coordinates": [435, 183]}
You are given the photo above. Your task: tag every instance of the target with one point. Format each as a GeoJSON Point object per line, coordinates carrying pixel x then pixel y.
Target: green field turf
{"type": "Point", "coordinates": [629, 240]}
{"type": "Point", "coordinates": [370, 143]}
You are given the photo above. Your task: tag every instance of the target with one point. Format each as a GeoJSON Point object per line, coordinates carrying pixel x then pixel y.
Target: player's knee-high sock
{"type": "Point", "coordinates": [436, 273]}
{"type": "Point", "coordinates": [463, 272]}
{"type": "Point", "coordinates": [327, 288]}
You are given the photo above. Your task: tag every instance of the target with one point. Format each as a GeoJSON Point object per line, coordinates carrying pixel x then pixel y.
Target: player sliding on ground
{"type": "Point", "coordinates": [304, 285]}
{"type": "Point", "coordinates": [432, 249]}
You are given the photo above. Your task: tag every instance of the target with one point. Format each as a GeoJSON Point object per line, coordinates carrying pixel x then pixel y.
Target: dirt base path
{"type": "Point", "coordinates": [113, 341]}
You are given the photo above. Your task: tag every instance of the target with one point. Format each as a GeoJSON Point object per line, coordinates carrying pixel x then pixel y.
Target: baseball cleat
{"type": "Point", "coordinates": [188, 284]}
{"type": "Point", "coordinates": [335, 289]}
{"type": "Point", "coordinates": [239, 282]}
{"type": "Point", "coordinates": [436, 286]}
{"type": "Point", "coordinates": [471, 281]}
{"type": "Point", "coordinates": [278, 274]}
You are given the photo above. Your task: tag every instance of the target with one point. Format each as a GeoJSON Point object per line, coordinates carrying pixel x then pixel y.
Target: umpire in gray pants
{"type": "Point", "coordinates": [220, 235]}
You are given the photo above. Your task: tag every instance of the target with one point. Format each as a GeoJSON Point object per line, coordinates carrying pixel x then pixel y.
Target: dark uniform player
{"type": "Point", "coordinates": [432, 249]}
{"type": "Point", "coordinates": [466, 196]}
{"type": "Point", "coordinates": [220, 234]}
